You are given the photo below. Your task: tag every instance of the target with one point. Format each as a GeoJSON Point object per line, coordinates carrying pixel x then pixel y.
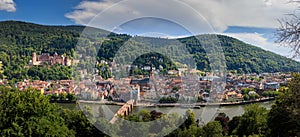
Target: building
{"type": "Point", "coordinates": [46, 59]}
{"type": "Point", "coordinates": [271, 86]}
{"type": "Point", "coordinates": [143, 83]}
{"type": "Point", "coordinates": [211, 78]}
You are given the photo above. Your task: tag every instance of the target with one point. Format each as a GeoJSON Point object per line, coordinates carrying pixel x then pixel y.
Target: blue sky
{"type": "Point", "coordinates": [252, 21]}
{"type": "Point", "coordinates": [41, 11]}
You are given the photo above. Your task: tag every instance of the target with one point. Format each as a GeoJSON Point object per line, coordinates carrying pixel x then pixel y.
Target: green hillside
{"type": "Point", "coordinates": [243, 57]}
{"type": "Point", "coordinates": [239, 56]}
{"type": "Point", "coordinates": [18, 40]}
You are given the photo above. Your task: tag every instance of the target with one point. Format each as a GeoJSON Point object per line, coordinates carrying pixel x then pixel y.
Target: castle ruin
{"type": "Point", "coordinates": [45, 58]}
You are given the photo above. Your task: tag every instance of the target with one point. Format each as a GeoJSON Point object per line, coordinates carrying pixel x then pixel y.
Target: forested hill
{"type": "Point", "coordinates": [243, 57]}
{"type": "Point", "coordinates": [19, 39]}
{"type": "Point", "coordinates": [239, 56]}
{"type": "Point", "coordinates": [28, 37]}
{"type": "Point", "coordinates": [24, 38]}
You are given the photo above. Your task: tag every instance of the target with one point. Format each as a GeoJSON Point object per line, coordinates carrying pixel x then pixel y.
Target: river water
{"type": "Point", "coordinates": [205, 113]}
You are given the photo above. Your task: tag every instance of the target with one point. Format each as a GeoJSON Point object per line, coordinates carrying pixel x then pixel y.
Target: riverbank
{"type": "Point", "coordinates": [195, 105]}
{"type": "Point", "coordinates": [206, 113]}
{"type": "Point", "coordinates": [63, 101]}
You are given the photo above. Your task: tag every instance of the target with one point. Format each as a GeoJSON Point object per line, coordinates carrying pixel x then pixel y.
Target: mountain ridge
{"type": "Point", "coordinates": [18, 40]}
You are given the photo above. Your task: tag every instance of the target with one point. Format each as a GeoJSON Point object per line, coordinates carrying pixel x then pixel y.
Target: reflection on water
{"type": "Point", "coordinates": [205, 113]}
{"type": "Point", "coordinates": [209, 112]}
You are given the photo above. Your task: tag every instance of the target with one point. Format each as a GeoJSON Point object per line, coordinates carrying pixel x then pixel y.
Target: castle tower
{"type": "Point", "coordinates": [67, 61]}
{"type": "Point", "coordinates": [54, 59]}
{"type": "Point", "coordinates": [34, 58]}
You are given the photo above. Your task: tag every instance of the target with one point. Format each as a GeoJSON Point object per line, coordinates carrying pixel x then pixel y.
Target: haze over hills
{"type": "Point", "coordinates": [18, 40]}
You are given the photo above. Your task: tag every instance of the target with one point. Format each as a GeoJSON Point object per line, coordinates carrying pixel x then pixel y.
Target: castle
{"type": "Point", "coordinates": [45, 58]}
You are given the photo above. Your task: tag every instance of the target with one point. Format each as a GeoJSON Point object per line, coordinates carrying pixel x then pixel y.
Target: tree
{"type": "Point", "coordinates": [223, 119]}
{"type": "Point", "coordinates": [30, 114]}
{"type": "Point", "coordinates": [246, 97]}
{"type": "Point", "coordinates": [71, 96]}
{"type": "Point", "coordinates": [190, 119]}
{"type": "Point", "coordinates": [62, 96]}
{"type": "Point", "coordinates": [253, 121]}
{"type": "Point", "coordinates": [233, 124]}
{"type": "Point", "coordinates": [77, 121]}
{"type": "Point", "coordinates": [266, 93]}
{"type": "Point", "coordinates": [175, 88]}
{"type": "Point", "coordinates": [253, 96]}
{"type": "Point", "coordinates": [104, 70]}
{"type": "Point", "coordinates": [54, 97]}
{"type": "Point", "coordinates": [213, 129]}
{"type": "Point", "coordinates": [192, 131]}
{"type": "Point", "coordinates": [288, 34]}
{"type": "Point", "coordinates": [284, 117]}
{"type": "Point", "coordinates": [246, 90]}
{"type": "Point", "coordinates": [188, 127]}
{"type": "Point", "coordinates": [145, 115]}
{"type": "Point", "coordinates": [129, 128]}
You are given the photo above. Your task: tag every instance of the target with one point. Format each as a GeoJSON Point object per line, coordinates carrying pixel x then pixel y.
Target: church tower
{"type": "Point", "coordinates": [152, 74]}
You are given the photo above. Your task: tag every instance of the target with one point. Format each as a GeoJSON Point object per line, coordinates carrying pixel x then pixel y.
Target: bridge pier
{"type": "Point", "coordinates": [129, 109]}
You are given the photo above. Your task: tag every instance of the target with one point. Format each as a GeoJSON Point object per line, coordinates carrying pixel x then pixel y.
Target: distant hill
{"type": "Point", "coordinates": [19, 39]}
{"type": "Point", "coordinates": [239, 56]}
{"type": "Point", "coordinates": [247, 58]}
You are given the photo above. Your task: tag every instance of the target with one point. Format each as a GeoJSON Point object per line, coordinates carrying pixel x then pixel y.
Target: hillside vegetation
{"type": "Point", "coordinates": [18, 40]}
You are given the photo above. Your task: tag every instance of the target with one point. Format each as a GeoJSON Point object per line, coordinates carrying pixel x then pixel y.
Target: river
{"type": "Point", "coordinates": [205, 113]}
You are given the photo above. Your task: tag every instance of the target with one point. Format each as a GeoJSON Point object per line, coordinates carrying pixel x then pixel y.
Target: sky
{"type": "Point", "coordinates": [252, 21]}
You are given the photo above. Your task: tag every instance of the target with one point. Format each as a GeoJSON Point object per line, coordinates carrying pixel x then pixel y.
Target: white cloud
{"type": "Point", "coordinates": [8, 5]}
{"type": "Point", "coordinates": [87, 10]}
{"type": "Point", "coordinates": [109, 15]}
{"type": "Point", "coordinates": [218, 13]}
{"type": "Point", "coordinates": [196, 15]}
{"type": "Point", "coordinates": [252, 13]}
{"type": "Point", "coordinates": [161, 35]}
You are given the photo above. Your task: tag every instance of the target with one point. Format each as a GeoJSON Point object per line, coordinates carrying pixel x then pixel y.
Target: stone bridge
{"type": "Point", "coordinates": [123, 111]}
